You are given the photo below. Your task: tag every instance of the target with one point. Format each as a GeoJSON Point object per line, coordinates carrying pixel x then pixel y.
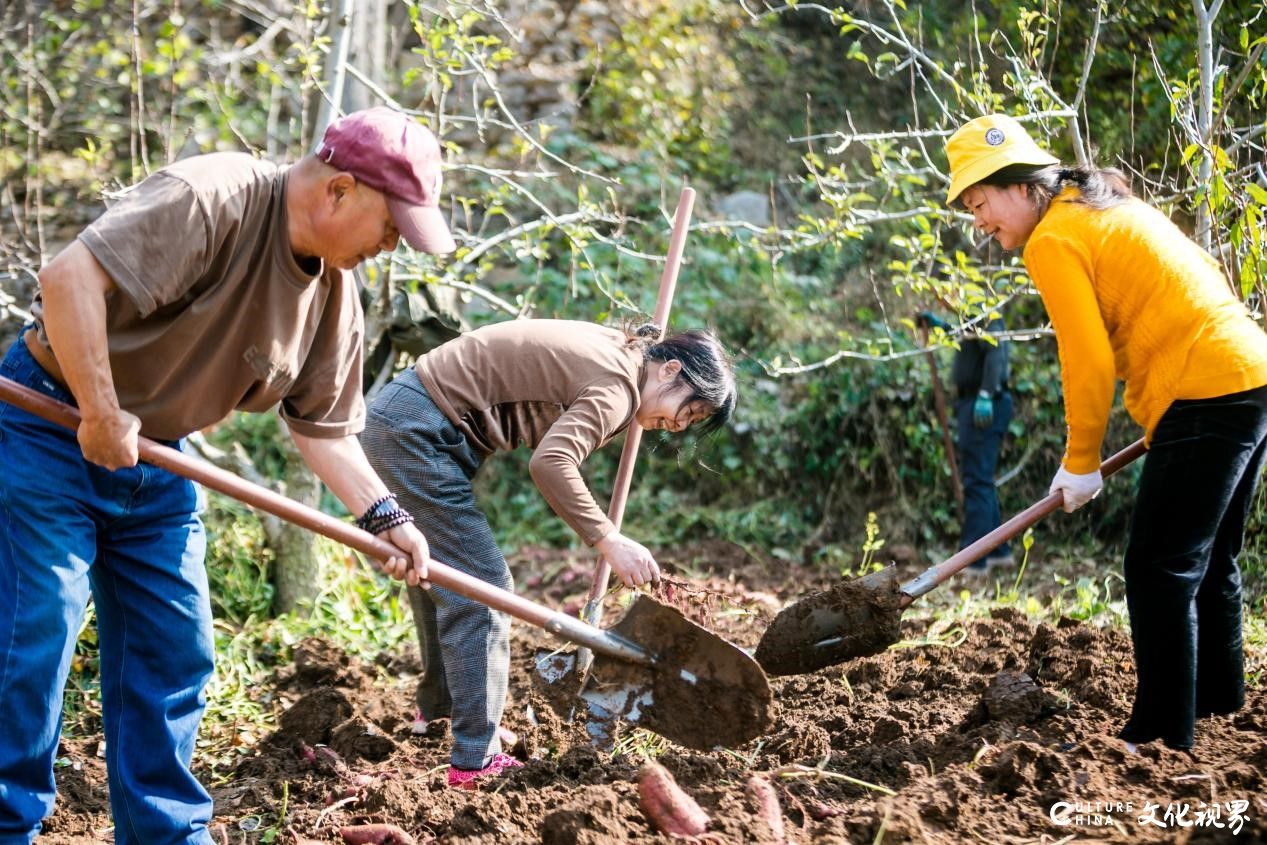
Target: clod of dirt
{"type": "Point", "coordinates": [858, 617]}
{"type": "Point", "coordinates": [1022, 765]}
{"type": "Point", "coordinates": [593, 817]}
{"type": "Point", "coordinates": [321, 663]}
{"type": "Point", "coordinates": [556, 678]}
{"type": "Point", "coordinates": [313, 717]}
{"type": "Point", "coordinates": [1014, 697]}
{"type": "Point", "coordinates": [886, 729]}
{"type": "Point", "coordinates": [799, 742]}
{"type": "Point", "coordinates": [360, 738]}
{"type": "Point", "coordinates": [491, 814]}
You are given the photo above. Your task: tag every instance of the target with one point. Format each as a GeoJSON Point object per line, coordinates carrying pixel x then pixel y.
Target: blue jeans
{"type": "Point", "coordinates": [978, 459]}
{"type": "Point", "coordinates": [132, 539]}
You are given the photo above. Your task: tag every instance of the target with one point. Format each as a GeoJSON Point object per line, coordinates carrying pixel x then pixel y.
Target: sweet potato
{"type": "Point", "coordinates": [375, 834]}
{"type": "Point", "coordinates": [329, 762]}
{"type": "Point", "coordinates": [670, 809]}
{"type": "Point", "coordinates": [818, 811]}
{"type": "Point", "coordinates": [765, 803]}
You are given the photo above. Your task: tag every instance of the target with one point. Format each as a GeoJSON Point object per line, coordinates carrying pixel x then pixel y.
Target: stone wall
{"type": "Point", "coordinates": [554, 42]}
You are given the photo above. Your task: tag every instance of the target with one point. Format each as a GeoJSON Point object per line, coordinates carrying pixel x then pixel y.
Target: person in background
{"type": "Point", "coordinates": [983, 409]}
{"type": "Point", "coordinates": [220, 282]}
{"type": "Point", "coordinates": [1131, 297]}
{"type": "Point", "coordinates": [563, 389]}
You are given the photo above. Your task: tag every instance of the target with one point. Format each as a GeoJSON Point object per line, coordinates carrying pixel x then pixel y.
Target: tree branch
{"type": "Point", "coordinates": [1019, 336]}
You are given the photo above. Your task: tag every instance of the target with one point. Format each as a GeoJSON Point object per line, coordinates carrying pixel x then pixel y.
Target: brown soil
{"type": "Point", "coordinates": [980, 742]}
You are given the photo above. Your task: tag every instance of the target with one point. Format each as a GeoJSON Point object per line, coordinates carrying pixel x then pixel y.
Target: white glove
{"type": "Point", "coordinates": [1078, 489]}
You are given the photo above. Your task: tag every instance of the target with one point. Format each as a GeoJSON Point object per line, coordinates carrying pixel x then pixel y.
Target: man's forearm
{"type": "Point", "coordinates": [73, 289]}
{"type": "Point", "coordinates": [341, 464]}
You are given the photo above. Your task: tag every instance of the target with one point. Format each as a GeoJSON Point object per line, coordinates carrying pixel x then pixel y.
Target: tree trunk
{"type": "Point", "coordinates": [335, 70]}
{"type": "Point", "coordinates": [1205, 113]}
{"type": "Point", "coordinates": [296, 562]}
{"type": "Point", "coordinates": [368, 54]}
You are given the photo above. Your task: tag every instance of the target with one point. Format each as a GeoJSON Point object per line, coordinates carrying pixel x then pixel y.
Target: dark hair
{"type": "Point", "coordinates": [1098, 187]}
{"type": "Point", "coordinates": [706, 367]}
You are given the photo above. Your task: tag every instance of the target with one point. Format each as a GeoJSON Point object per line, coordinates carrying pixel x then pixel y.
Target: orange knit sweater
{"type": "Point", "coordinates": [1131, 297]}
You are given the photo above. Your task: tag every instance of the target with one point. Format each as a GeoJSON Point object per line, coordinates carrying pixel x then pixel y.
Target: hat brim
{"type": "Point", "coordinates": [986, 165]}
{"type": "Point", "coordinates": [422, 226]}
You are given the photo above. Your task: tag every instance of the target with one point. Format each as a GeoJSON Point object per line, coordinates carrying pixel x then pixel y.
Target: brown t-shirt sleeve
{"type": "Point", "coordinates": [599, 412]}
{"type": "Point", "coordinates": [325, 400]}
{"type": "Point", "coordinates": [153, 242]}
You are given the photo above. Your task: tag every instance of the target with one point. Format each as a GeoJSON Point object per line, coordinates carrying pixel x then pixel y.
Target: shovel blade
{"type": "Point", "coordinates": [856, 618]}
{"type": "Point", "coordinates": [701, 692]}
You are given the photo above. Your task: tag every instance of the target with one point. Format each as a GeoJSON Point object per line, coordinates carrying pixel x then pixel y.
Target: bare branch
{"type": "Point", "coordinates": [1020, 336]}
{"type": "Point", "coordinates": [1088, 59]}
{"type": "Point", "coordinates": [488, 244]}
{"type": "Point", "coordinates": [523, 132]}
{"type": "Point", "coordinates": [863, 137]}
{"type": "Point", "coordinates": [878, 32]}
{"type": "Point", "coordinates": [1229, 91]}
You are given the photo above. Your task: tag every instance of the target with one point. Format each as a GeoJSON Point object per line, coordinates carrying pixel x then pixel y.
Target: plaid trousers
{"type": "Point", "coordinates": [428, 465]}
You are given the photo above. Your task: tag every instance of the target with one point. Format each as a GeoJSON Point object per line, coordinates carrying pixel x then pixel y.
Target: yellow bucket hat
{"type": "Point", "coordinates": [986, 145]}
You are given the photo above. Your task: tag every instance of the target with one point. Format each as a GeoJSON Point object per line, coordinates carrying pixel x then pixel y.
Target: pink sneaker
{"type": "Point", "coordinates": [465, 778]}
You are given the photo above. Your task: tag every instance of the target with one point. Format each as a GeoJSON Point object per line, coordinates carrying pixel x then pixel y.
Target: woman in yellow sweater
{"type": "Point", "coordinates": [1131, 297]}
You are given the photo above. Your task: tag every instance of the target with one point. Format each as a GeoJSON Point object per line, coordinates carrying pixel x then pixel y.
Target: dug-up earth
{"type": "Point", "coordinates": [999, 732]}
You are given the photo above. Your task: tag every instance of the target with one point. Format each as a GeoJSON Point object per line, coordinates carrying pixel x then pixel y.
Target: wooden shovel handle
{"type": "Point", "coordinates": [349, 535]}
{"type": "Point", "coordinates": [935, 575]}
{"type": "Point", "coordinates": [593, 612]}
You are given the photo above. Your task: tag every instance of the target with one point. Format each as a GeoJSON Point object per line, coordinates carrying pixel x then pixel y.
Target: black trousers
{"type": "Point", "coordinates": [1183, 588]}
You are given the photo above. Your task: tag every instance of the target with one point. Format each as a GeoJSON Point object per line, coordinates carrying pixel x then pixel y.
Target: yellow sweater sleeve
{"type": "Point", "coordinates": [1061, 270]}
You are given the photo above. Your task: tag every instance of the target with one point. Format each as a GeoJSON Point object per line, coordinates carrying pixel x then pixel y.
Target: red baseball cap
{"type": "Point", "coordinates": [395, 154]}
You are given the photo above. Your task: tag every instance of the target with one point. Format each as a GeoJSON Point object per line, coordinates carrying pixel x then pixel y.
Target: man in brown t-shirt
{"type": "Point", "coordinates": [218, 283]}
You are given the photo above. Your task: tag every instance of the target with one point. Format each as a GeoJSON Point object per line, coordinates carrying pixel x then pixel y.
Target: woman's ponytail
{"type": "Point", "coordinates": [1098, 187]}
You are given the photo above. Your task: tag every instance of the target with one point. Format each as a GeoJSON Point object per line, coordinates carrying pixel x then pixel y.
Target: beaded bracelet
{"type": "Point", "coordinates": [375, 513]}
{"type": "Point", "coordinates": [388, 521]}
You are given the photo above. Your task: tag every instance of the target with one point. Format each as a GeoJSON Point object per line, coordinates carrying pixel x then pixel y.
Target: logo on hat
{"type": "Point", "coordinates": [994, 137]}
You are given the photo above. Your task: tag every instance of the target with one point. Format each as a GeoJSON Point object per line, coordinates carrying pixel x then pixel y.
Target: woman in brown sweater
{"type": "Point", "coordinates": [563, 389]}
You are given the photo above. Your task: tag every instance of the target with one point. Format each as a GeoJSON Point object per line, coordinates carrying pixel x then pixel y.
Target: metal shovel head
{"type": "Point", "coordinates": [701, 691]}
{"type": "Point", "coordinates": [856, 618]}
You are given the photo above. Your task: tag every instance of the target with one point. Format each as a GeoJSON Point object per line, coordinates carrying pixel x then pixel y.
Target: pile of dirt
{"type": "Point", "coordinates": [1006, 736]}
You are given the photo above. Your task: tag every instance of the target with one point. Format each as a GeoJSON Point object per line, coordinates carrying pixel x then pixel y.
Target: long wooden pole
{"type": "Point", "coordinates": [935, 575]}
{"type": "Point", "coordinates": [556, 622]}
{"type": "Point", "coordinates": [593, 613]}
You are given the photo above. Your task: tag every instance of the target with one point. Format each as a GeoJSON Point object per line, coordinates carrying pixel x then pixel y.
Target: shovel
{"type": "Point", "coordinates": [593, 612]}
{"type": "Point", "coordinates": [682, 681]}
{"type": "Point", "coordinates": [862, 616]}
